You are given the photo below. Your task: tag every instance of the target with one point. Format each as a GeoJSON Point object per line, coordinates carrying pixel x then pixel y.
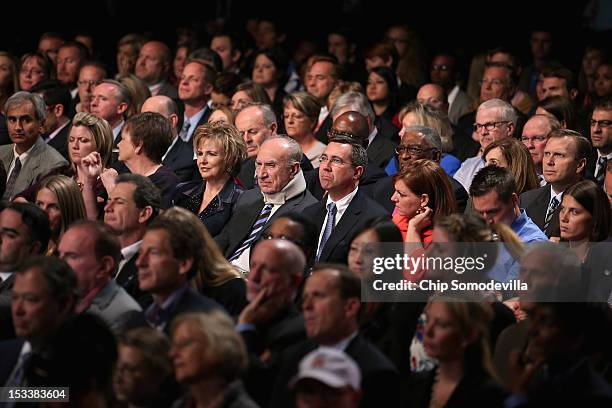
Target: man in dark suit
{"type": "Point", "coordinates": [331, 304]}
{"type": "Point", "coordinates": [179, 157]}
{"type": "Point", "coordinates": [601, 137]}
{"type": "Point", "coordinates": [271, 321]}
{"type": "Point", "coordinates": [346, 208]}
{"type": "Point", "coordinates": [380, 147]}
{"type": "Point", "coordinates": [26, 232]}
{"type": "Point", "coordinates": [57, 121]}
{"type": "Point", "coordinates": [132, 204]}
{"type": "Point", "coordinates": [110, 101]}
{"type": "Point", "coordinates": [170, 255]}
{"type": "Point", "coordinates": [355, 125]}
{"type": "Point", "coordinates": [54, 286]}
{"type": "Point", "coordinates": [321, 78]}
{"type": "Point", "coordinates": [153, 67]}
{"type": "Point", "coordinates": [564, 164]}
{"type": "Point", "coordinates": [281, 189]}
{"type": "Point", "coordinates": [195, 88]}
{"type": "Point", "coordinates": [418, 142]}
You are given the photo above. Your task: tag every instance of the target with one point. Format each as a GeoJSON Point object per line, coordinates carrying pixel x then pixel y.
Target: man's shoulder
{"type": "Point", "coordinates": [531, 194]}
{"type": "Point", "coordinates": [528, 230]}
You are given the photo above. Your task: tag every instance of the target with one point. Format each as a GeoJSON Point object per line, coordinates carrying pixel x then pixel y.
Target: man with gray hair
{"type": "Point", "coordinates": [281, 190]}
{"type": "Point", "coordinates": [418, 142]}
{"type": "Point", "coordinates": [110, 101]}
{"type": "Point", "coordinates": [347, 208]}
{"type": "Point", "coordinates": [180, 155]}
{"type": "Point", "coordinates": [495, 120]}
{"type": "Point", "coordinates": [381, 142]}
{"type": "Point", "coordinates": [28, 158]}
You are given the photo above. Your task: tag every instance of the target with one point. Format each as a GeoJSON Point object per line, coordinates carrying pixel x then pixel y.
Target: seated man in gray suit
{"type": "Point", "coordinates": [282, 189]}
{"type": "Point", "coordinates": [93, 251]}
{"type": "Point", "coordinates": [28, 158]}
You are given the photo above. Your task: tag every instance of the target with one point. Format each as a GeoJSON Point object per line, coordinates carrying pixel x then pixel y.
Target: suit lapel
{"type": "Point", "coordinates": [344, 226]}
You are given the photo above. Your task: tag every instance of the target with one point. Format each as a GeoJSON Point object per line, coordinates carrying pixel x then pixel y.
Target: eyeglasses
{"type": "Point", "coordinates": [88, 83]}
{"type": "Point", "coordinates": [535, 139]}
{"type": "Point", "coordinates": [412, 150]}
{"type": "Point", "coordinates": [489, 126]}
{"type": "Point", "coordinates": [440, 67]}
{"type": "Point", "coordinates": [333, 133]}
{"type": "Point", "coordinates": [601, 123]}
{"type": "Point", "coordinates": [335, 161]}
{"type": "Point", "coordinates": [31, 71]}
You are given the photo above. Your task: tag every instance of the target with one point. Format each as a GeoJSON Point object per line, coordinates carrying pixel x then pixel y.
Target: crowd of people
{"type": "Point", "coordinates": [196, 228]}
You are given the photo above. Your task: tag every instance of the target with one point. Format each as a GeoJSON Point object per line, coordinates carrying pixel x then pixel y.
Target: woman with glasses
{"type": "Point", "coordinates": [301, 113]}
{"type": "Point", "coordinates": [423, 193]}
{"type": "Point", "coordinates": [513, 155]}
{"type": "Point", "coordinates": [220, 150]}
{"type": "Point", "coordinates": [35, 67]}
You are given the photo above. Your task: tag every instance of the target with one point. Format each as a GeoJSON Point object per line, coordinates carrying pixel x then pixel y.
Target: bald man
{"type": "Point", "coordinates": [153, 67]}
{"type": "Point", "coordinates": [355, 125]}
{"type": "Point", "coordinates": [180, 156]}
{"type": "Point", "coordinates": [434, 96]}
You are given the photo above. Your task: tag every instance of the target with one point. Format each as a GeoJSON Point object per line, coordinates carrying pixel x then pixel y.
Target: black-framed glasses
{"type": "Point", "coordinates": [489, 126]}
{"type": "Point", "coordinates": [601, 123]}
{"type": "Point", "coordinates": [333, 133]}
{"type": "Point", "coordinates": [412, 150]}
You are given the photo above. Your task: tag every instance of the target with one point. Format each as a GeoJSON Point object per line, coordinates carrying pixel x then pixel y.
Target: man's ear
{"type": "Point", "coordinates": [352, 306]}
{"type": "Point", "coordinates": [295, 168]}
{"type": "Point", "coordinates": [511, 129]}
{"type": "Point", "coordinates": [58, 110]}
{"type": "Point", "coordinates": [122, 108]}
{"type": "Point", "coordinates": [236, 54]}
{"type": "Point", "coordinates": [358, 172]}
{"type": "Point", "coordinates": [273, 128]}
{"type": "Point", "coordinates": [145, 214]}
{"type": "Point", "coordinates": [208, 88]}
{"type": "Point", "coordinates": [107, 265]}
{"type": "Point", "coordinates": [185, 266]}
{"type": "Point", "coordinates": [515, 199]}
{"type": "Point", "coordinates": [174, 119]}
{"type": "Point", "coordinates": [581, 165]}
{"type": "Point", "coordinates": [573, 93]}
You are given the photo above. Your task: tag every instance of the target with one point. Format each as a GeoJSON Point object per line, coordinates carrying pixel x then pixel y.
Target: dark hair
{"type": "Point", "coordinates": [310, 234]}
{"type": "Point", "coordinates": [594, 200]}
{"type": "Point", "coordinates": [226, 83]}
{"type": "Point", "coordinates": [145, 194]}
{"type": "Point", "coordinates": [184, 242]}
{"type": "Point", "coordinates": [210, 57]}
{"type": "Point", "coordinates": [97, 64]}
{"type": "Point", "coordinates": [106, 242]}
{"type": "Point", "coordinates": [255, 92]}
{"type": "Point", "coordinates": [385, 51]}
{"type": "Point", "coordinates": [151, 130]}
{"type": "Point", "coordinates": [512, 75]}
{"type": "Point", "coordinates": [384, 228]}
{"type": "Point", "coordinates": [388, 75]}
{"type": "Point", "coordinates": [280, 61]}
{"type": "Point", "coordinates": [359, 156]}
{"type": "Point", "coordinates": [493, 178]}
{"type": "Point", "coordinates": [36, 220]}
{"type": "Point", "coordinates": [562, 73]}
{"type": "Point", "coordinates": [583, 146]}
{"type": "Point", "coordinates": [83, 51]}
{"type": "Point", "coordinates": [59, 276]}
{"type": "Point", "coordinates": [604, 103]}
{"type": "Point", "coordinates": [54, 92]}
{"type": "Point", "coordinates": [561, 108]}
{"type": "Point", "coordinates": [347, 282]}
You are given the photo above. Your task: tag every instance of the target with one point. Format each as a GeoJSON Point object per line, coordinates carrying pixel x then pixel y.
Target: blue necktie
{"type": "Point", "coordinates": [329, 226]}
{"type": "Point", "coordinates": [257, 227]}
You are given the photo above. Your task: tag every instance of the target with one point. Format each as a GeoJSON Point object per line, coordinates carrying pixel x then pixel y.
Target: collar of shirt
{"type": "Point", "coordinates": [56, 131]}
{"type": "Point", "coordinates": [372, 136]}
{"type": "Point", "coordinates": [22, 157]}
{"type": "Point", "coordinates": [5, 275]}
{"type": "Point", "coordinates": [170, 148]}
{"type": "Point", "coordinates": [323, 114]}
{"type": "Point", "coordinates": [599, 155]}
{"type": "Point", "coordinates": [74, 93]}
{"type": "Point", "coordinates": [129, 251]}
{"type": "Point", "coordinates": [341, 205]}
{"type": "Point", "coordinates": [117, 129]}
{"type": "Point", "coordinates": [452, 95]}
{"type": "Point", "coordinates": [343, 344]}
{"type": "Point", "coordinates": [553, 193]}
{"type": "Point", "coordinates": [154, 89]}
{"type": "Point", "coordinates": [193, 121]}
{"type": "Point", "coordinates": [166, 306]}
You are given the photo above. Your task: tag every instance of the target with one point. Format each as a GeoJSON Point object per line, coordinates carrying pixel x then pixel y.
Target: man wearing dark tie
{"type": "Point", "coordinates": [601, 136]}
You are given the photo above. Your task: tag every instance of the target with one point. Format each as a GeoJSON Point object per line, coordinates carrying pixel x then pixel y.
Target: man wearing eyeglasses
{"type": "Point", "coordinates": [90, 75]}
{"type": "Point", "coordinates": [601, 137]}
{"type": "Point", "coordinates": [495, 120]}
{"type": "Point", "coordinates": [343, 214]}
{"type": "Point", "coordinates": [443, 72]}
{"type": "Point", "coordinates": [535, 135]}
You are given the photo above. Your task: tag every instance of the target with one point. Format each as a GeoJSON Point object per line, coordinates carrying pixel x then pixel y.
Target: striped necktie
{"type": "Point", "coordinates": [552, 207]}
{"type": "Point", "coordinates": [255, 230]}
{"type": "Point", "coordinates": [10, 184]}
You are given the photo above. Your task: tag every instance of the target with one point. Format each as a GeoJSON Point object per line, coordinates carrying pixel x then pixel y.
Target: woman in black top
{"type": "Point", "coordinates": [220, 150]}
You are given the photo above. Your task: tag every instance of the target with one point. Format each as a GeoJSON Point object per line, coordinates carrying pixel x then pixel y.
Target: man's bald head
{"type": "Point", "coordinates": [354, 123]}
{"type": "Point", "coordinates": [434, 96]}
{"type": "Point", "coordinates": [164, 106]}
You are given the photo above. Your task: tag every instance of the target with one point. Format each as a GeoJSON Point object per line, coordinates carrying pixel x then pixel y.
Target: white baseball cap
{"type": "Point", "coordinates": [330, 366]}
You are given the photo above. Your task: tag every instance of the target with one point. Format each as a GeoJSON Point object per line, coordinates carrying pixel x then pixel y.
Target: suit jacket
{"type": "Point", "coordinates": [387, 129]}
{"type": "Point", "coordinates": [9, 350]}
{"type": "Point", "coordinates": [127, 278]}
{"type": "Point", "coordinates": [117, 308]}
{"type": "Point", "coordinates": [180, 160]}
{"type": "Point", "coordinates": [360, 210]}
{"type": "Point", "coordinates": [4, 136]}
{"type": "Point", "coordinates": [60, 141]}
{"type": "Point", "coordinates": [190, 301]}
{"type": "Point", "coordinates": [7, 330]}
{"type": "Point", "coordinates": [379, 378]}
{"type": "Point", "coordinates": [462, 104]}
{"type": "Point", "coordinates": [385, 188]}
{"type": "Point", "coordinates": [247, 171]}
{"type": "Point", "coordinates": [321, 133]}
{"type": "Point", "coordinates": [535, 202]}
{"type": "Point", "coordinates": [247, 210]}
{"type": "Point", "coordinates": [381, 150]}
{"type": "Point", "coordinates": [367, 182]}
{"type": "Point", "coordinates": [169, 90]}
{"type": "Point", "coordinates": [41, 160]}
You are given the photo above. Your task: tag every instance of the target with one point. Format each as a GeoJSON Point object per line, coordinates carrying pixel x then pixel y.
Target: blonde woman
{"type": "Point", "coordinates": [59, 196]}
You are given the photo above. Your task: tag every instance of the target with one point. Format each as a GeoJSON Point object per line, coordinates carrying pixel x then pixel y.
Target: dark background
{"type": "Point", "coordinates": [464, 26]}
